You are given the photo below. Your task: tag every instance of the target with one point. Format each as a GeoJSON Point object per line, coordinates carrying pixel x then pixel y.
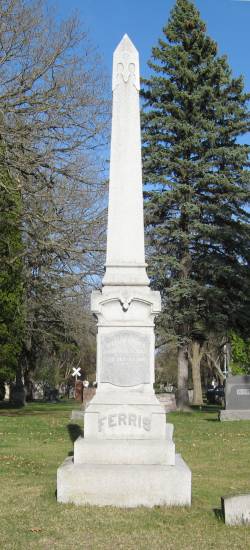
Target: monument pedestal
{"type": "Point", "coordinates": [234, 414]}
{"type": "Point", "coordinates": [127, 456]}
{"type": "Point", "coordinates": [125, 485]}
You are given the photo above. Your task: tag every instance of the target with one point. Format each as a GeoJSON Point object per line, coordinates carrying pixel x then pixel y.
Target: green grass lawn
{"type": "Point", "coordinates": [35, 440]}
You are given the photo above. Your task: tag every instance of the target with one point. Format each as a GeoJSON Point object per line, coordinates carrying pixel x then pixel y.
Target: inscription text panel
{"type": "Point", "coordinates": [125, 358]}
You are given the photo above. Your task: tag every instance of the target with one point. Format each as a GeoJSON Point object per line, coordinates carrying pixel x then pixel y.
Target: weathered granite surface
{"type": "Point", "coordinates": [237, 393]}
{"type": "Point", "coordinates": [237, 398]}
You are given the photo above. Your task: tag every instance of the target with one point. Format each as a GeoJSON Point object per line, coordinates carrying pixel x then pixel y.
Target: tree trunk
{"type": "Point", "coordinates": [27, 367]}
{"type": "Point", "coordinates": [195, 359]}
{"type": "Point", "coordinates": [2, 389]}
{"type": "Point", "coordinates": [214, 363]}
{"type": "Point", "coordinates": [182, 391]}
{"type": "Point", "coordinates": [29, 386]}
{"type": "Point", "coordinates": [17, 395]}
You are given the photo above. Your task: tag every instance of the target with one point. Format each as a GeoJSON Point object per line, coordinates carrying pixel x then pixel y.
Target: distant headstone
{"type": "Point", "coordinates": [38, 392]}
{"type": "Point", "coordinates": [17, 395]}
{"type": "Point", "coordinates": [7, 391]}
{"type": "Point", "coordinates": [168, 401]}
{"type": "Point", "coordinates": [237, 393]}
{"type": "Point", "coordinates": [79, 391]}
{"type": "Point", "coordinates": [236, 509]}
{"type": "Point", "coordinates": [88, 394]}
{"type": "Point", "coordinates": [237, 398]}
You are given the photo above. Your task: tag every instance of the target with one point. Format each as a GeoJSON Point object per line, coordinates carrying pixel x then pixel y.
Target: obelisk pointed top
{"type": "Point", "coordinates": [125, 43]}
{"type": "Point", "coordinates": [126, 64]}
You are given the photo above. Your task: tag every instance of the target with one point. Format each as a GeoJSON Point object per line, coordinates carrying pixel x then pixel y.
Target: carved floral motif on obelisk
{"type": "Point", "coordinates": [126, 67]}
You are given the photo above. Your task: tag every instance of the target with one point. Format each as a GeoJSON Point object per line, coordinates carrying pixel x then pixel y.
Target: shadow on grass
{"type": "Point", "coordinates": [75, 431]}
{"type": "Point", "coordinates": [36, 407]}
{"type": "Point", "coordinates": [6, 405]}
{"type": "Point", "coordinates": [209, 409]}
{"type": "Point", "coordinates": [218, 514]}
{"type": "Point", "coordinates": [206, 408]}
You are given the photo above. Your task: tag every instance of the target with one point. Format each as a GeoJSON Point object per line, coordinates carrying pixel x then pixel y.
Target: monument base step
{"type": "Point", "coordinates": [124, 485]}
{"type": "Point", "coordinates": [230, 414]}
{"type": "Point", "coordinates": [130, 451]}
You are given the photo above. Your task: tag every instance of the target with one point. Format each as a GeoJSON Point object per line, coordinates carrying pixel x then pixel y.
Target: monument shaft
{"type": "Point", "coordinates": [127, 456]}
{"type": "Point", "coordinates": [125, 238]}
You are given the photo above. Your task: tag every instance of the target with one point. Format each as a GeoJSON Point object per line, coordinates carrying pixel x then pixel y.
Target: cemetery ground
{"type": "Point", "coordinates": [34, 442]}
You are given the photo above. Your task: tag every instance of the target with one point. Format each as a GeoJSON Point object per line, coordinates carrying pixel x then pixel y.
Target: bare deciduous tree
{"type": "Point", "coordinates": [53, 119]}
{"type": "Point", "coordinates": [51, 94]}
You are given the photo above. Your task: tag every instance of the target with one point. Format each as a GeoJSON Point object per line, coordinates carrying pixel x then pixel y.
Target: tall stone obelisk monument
{"type": "Point", "coordinates": [127, 456]}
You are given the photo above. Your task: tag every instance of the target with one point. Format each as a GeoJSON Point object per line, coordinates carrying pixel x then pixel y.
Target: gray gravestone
{"type": "Point", "coordinates": [237, 398]}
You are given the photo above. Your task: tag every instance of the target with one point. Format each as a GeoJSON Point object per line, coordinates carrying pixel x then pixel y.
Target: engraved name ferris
{"type": "Point", "coordinates": [124, 419]}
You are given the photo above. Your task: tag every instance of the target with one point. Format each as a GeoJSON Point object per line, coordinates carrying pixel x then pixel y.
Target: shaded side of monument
{"type": "Point", "coordinates": [127, 456]}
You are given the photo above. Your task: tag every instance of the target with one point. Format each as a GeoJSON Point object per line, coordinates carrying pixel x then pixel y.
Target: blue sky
{"type": "Point", "coordinates": [228, 22]}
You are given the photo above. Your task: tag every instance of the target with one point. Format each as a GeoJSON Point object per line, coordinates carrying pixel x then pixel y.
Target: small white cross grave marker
{"type": "Point", "coordinates": [76, 372]}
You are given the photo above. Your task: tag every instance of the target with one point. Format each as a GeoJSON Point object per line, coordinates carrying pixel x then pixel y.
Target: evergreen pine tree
{"type": "Point", "coordinates": [11, 283]}
{"type": "Point", "coordinates": [196, 186]}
